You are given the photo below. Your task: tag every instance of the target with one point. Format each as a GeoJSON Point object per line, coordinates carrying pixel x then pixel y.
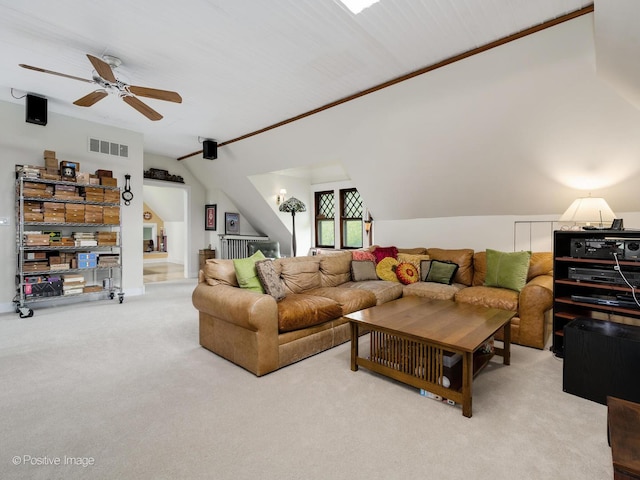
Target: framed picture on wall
{"type": "Point", "coordinates": [231, 223]}
{"type": "Point", "coordinates": [210, 217]}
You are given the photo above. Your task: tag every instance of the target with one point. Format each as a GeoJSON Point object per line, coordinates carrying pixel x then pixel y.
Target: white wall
{"type": "Point", "coordinates": [24, 143]}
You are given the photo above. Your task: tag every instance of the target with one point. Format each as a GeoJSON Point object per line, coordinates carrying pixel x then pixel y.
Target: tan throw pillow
{"type": "Point", "coordinates": [413, 259]}
{"type": "Point", "coordinates": [220, 272]}
{"type": "Point", "coordinates": [363, 270]}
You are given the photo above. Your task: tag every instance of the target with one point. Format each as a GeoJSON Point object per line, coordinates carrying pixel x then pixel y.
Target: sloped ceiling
{"type": "Point", "coordinates": [617, 41]}
{"type": "Point", "coordinates": [239, 65]}
{"type": "Point", "coordinates": [520, 131]}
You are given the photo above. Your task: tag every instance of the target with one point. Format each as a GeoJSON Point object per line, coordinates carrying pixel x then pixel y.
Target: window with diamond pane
{"type": "Point", "coordinates": [351, 218]}
{"type": "Point", "coordinates": [325, 223]}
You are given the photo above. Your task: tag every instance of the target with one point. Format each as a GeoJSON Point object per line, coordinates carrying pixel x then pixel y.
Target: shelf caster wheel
{"type": "Point", "coordinates": [17, 309]}
{"type": "Point", "coordinates": [111, 295]}
{"type": "Point", "coordinates": [25, 312]}
{"type": "Point", "coordinates": [121, 297]}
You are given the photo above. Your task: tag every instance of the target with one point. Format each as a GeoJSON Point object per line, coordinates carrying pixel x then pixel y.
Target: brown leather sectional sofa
{"type": "Point", "coordinates": [254, 331]}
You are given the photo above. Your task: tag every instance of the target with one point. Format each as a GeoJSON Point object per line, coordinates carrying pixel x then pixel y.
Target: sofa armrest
{"type": "Point", "coordinates": [244, 308]}
{"type": "Point", "coordinates": [536, 298]}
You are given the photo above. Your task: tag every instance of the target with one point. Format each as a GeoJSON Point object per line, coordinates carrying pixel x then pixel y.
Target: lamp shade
{"type": "Point", "coordinates": [588, 210]}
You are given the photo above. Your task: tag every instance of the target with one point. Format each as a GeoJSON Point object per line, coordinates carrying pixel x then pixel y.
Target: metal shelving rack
{"type": "Point", "coordinates": [111, 288]}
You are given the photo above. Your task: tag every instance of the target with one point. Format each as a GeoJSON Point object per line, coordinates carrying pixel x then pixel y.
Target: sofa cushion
{"type": "Point", "coordinates": [407, 273]}
{"type": "Point", "coordinates": [386, 269]}
{"type": "Point", "coordinates": [363, 255]}
{"type": "Point", "coordinates": [541, 263]}
{"type": "Point", "coordinates": [246, 272]}
{"type": "Point", "coordinates": [441, 272]}
{"type": "Point", "coordinates": [349, 299]}
{"type": "Point", "coordinates": [436, 291]}
{"type": "Point", "coordinates": [479, 268]}
{"type": "Point", "coordinates": [299, 273]}
{"type": "Point", "coordinates": [463, 257]}
{"type": "Point", "coordinates": [297, 311]}
{"type": "Point", "coordinates": [362, 270]}
{"type": "Point", "coordinates": [219, 271]}
{"type": "Point", "coordinates": [335, 268]}
{"type": "Point", "coordinates": [413, 251]}
{"type": "Point", "coordinates": [493, 297]}
{"type": "Point", "coordinates": [507, 269]}
{"type": "Point", "coordinates": [384, 291]}
{"type": "Point", "coordinates": [269, 279]}
{"type": "Point", "coordinates": [383, 252]}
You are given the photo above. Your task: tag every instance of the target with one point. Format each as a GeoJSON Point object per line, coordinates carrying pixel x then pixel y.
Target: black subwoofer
{"type": "Point", "coordinates": [601, 358]}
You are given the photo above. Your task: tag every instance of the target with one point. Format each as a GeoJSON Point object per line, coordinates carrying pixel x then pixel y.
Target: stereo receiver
{"type": "Point", "coordinates": [606, 248]}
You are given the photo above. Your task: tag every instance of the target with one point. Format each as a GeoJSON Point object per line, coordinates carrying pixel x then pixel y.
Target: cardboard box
{"type": "Point", "coordinates": [104, 173]}
{"type": "Point", "coordinates": [36, 240]}
{"type": "Point", "coordinates": [109, 181]}
{"type": "Point", "coordinates": [51, 163]}
{"type": "Point", "coordinates": [94, 194]}
{"type": "Point", "coordinates": [112, 196]}
{"type": "Point", "coordinates": [82, 177]}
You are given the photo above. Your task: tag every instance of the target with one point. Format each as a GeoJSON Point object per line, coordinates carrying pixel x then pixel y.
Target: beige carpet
{"type": "Point", "coordinates": [126, 389]}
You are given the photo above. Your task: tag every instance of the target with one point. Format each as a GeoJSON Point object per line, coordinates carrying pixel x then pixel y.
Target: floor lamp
{"type": "Point", "coordinates": [293, 205]}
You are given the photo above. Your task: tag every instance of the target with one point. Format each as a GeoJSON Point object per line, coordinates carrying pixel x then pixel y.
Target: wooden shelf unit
{"type": "Point", "coordinates": [564, 308]}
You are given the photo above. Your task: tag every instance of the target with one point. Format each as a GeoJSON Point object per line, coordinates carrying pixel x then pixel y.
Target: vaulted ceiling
{"type": "Point", "coordinates": [239, 65]}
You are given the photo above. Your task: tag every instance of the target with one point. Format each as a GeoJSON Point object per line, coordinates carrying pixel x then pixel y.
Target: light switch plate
{"type": "Point", "coordinates": [4, 221]}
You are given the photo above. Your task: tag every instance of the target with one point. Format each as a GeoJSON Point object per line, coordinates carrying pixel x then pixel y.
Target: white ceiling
{"type": "Point", "coordinates": [239, 65]}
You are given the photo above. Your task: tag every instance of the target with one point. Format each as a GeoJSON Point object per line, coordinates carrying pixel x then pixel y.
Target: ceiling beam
{"type": "Point", "coordinates": [456, 58]}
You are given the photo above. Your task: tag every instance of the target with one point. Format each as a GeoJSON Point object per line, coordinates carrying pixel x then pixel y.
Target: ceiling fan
{"type": "Point", "coordinates": [109, 84]}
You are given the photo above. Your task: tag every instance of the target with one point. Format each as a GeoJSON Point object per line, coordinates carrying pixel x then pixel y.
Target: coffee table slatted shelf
{"type": "Point", "coordinates": [410, 338]}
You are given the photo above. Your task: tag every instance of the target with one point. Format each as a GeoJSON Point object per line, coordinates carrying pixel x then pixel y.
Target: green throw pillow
{"type": "Point", "coordinates": [507, 270]}
{"type": "Point", "coordinates": [246, 272]}
{"type": "Point", "coordinates": [441, 272]}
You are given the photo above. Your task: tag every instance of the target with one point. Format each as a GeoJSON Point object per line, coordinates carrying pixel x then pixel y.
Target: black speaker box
{"type": "Point", "coordinates": [209, 149]}
{"type": "Point", "coordinates": [36, 110]}
{"type": "Point", "coordinates": [601, 358]}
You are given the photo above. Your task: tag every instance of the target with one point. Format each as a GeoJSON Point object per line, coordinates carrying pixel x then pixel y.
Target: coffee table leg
{"type": "Point", "coordinates": [506, 349]}
{"type": "Point", "coordinates": [467, 383]}
{"type": "Point", "coordinates": [354, 346]}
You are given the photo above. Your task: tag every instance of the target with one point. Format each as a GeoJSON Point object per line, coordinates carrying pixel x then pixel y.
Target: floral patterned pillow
{"type": "Point", "coordinates": [407, 273]}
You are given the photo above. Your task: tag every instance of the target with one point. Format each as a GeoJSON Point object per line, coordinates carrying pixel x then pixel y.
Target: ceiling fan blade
{"type": "Point", "coordinates": [42, 70]}
{"type": "Point", "coordinates": [103, 68]}
{"type": "Point", "coordinates": [155, 93]}
{"type": "Point", "coordinates": [92, 98]}
{"type": "Point", "coordinates": [143, 108]}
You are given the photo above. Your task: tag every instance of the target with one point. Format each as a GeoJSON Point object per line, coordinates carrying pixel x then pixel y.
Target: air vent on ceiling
{"type": "Point", "coordinates": [108, 148]}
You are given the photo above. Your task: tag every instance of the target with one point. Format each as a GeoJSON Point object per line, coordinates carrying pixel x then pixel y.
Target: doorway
{"type": "Point", "coordinates": [166, 248]}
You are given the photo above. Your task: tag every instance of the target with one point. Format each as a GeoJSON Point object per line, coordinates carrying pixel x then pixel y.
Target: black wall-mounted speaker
{"type": "Point", "coordinates": [36, 110]}
{"type": "Point", "coordinates": [209, 149]}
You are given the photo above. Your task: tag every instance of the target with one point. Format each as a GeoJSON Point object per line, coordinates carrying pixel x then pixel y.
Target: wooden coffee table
{"type": "Point", "coordinates": [410, 335]}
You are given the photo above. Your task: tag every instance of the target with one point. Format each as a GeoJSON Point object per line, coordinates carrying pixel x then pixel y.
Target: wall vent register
{"type": "Point", "coordinates": [108, 148]}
